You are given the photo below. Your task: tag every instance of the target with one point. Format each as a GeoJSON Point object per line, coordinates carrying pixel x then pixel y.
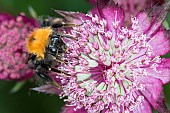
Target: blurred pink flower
{"type": "Point", "coordinates": [115, 69]}
{"type": "Point", "coordinates": [13, 32]}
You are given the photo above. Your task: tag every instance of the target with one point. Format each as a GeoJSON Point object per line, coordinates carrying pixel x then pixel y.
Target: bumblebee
{"type": "Point", "coordinates": [46, 47]}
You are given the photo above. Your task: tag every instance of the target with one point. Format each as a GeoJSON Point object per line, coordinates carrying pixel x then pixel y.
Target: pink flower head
{"type": "Point", "coordinates": [115, 69]}
{"type": "Point", "coordinates": [13, 32]}
{"type": "Point", "coordinates": [133, 7]}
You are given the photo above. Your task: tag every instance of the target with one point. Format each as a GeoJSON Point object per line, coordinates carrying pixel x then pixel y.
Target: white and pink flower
{"type": "Point", "coordinates": [115, 69]}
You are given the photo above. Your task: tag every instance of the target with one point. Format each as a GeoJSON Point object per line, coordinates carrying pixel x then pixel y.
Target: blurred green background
{"type": "Point", "coordinates": [43, 7]}
{"type": "Point", "coordinates": [26, 101]}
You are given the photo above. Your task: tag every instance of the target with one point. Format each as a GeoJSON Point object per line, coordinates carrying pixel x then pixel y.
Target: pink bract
{"type": "Point", "coordinates": [132, 7]}
{"type": "Point", "coordinates": [71, 109]}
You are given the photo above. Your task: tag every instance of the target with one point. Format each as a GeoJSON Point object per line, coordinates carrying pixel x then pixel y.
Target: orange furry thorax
{"type": "Point", "coordinates": [38, 40]}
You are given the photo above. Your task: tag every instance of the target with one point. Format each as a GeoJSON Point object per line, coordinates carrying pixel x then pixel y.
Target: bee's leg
{"type": "Point", "coordinates": [42, 75]}
{"type": "Point", "coordinates": [58, 60]}
{"type": "Point", "coordinates": [55, 58]}
{"type": "Point", "coordinates": [29, 57]}
{"type": "Point", "coordinates": [59, 71]}
{"type": "Point", "coordinates": [69, 36]}
{"type": "Point", "coordinates": [61, 61]}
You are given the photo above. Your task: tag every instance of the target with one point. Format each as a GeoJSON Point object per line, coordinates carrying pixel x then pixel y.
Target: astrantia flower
{"type": "Point", "coordinates": [114, 69]}
{"type": "Point", "coordinates": [133, 7]}
{"type": "Point", "coordinates": [13, 32]}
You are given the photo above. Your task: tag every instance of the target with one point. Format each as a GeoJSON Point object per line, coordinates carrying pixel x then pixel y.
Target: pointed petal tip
{"type": "Point", "coordinates": [48, 89]}
{"type": "Point", "coordinates": [162, 108]}
{"type": "Point", "coordinates": [70, 109]}
{"type": "Point", "coordinates": [67, 13]}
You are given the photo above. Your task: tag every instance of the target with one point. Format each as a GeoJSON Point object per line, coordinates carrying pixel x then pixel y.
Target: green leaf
{"type": "Point", "coordinates": [32, 12]}
{"type": "Point", "coordinates": [166, 24]}
{"type": "Point", "coordinates": [17, 87]}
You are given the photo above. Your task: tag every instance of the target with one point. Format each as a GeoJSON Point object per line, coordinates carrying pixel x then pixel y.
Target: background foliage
{"type": "Point", "coordinates": [26, 101]}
